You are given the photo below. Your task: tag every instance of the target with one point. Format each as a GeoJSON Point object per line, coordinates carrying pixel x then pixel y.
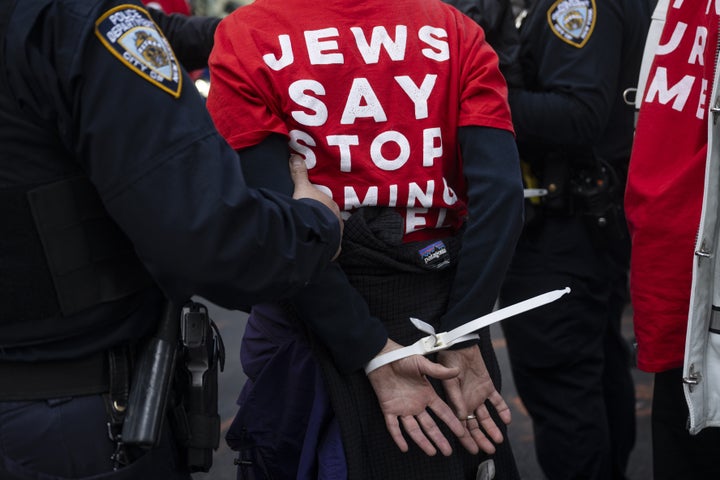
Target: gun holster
{"type": "Point", "coordinates": [194, 406]}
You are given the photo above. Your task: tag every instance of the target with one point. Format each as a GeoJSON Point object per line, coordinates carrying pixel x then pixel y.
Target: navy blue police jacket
{"type": "Point", "coordinates": [93, 91]}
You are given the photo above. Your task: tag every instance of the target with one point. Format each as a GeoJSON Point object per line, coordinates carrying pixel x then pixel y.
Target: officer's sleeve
{"type": "Point", "coordinates": [174, 186]}
{"type": "Point", "coordinates": [329, 305]}
{"type": "Point", "coordinates": [495, 217]}
{"type": "Point", "coordinates": [190, 37]}
{"type": "Point", "coordinates": [575, 84]}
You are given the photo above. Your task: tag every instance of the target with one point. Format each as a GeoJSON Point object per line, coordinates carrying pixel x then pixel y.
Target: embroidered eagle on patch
{"type": "Point", "coordinates": [131, 35]}
{"type": "Point", "coordinates": [573, 20]}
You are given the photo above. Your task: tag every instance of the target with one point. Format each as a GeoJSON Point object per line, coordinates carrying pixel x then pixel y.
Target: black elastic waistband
{"type": "Point", "coordinates": [53, 379]}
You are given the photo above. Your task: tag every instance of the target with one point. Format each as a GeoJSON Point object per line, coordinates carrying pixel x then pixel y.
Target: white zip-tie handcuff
{"type": "Point", "coordinates": [436, 342]}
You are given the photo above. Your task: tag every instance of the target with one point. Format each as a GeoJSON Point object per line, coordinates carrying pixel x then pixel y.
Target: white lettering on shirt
{"type": "Point", "coordinates": [286, 55]}
{"type": "Point", "coordinates": [376, 154]}
{"type": "Point", "coordinates": [362, 103]}
{"type": "Point", "coordinates": [344, 142]}
{"type": "Point", "coordinates": [432, 36]}
{"type": "Point", "coordinates": [317, 46]}
{"type": "Point", "coordinates": [418, 95]}
{"type": "Point", "coordinates": [380, 37]}
{"type": "Point", "coordinates": [679, 92]}
{"type": "Point", "coordinates": [297, 90]}
{"type": "Point", "coordinates": [412, 96]}
{"type": "Point", "coordinates": [301, 143]}
{"type": "Point", "coordinates": [432, 146]}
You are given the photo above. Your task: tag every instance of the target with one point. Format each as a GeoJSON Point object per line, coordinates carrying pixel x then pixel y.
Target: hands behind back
{"type": "Point", "coordinates": [467, 393]}
{"type": "Point", "coordinates": [404, 391]}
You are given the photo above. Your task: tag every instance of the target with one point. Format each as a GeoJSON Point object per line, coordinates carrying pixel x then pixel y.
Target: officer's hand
{"type": "Point", "coordinates": [305, 189]}
{"type": "Point", "coordinates": [404, 392]}
{"type": "Point", "coordinates": [468, 393]}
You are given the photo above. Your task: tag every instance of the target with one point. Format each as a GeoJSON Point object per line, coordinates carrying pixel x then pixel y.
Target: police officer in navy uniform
{"type": "Point", "coordinates": [117, 193]}
{"type": "Point", "coordinates": [569, 359]}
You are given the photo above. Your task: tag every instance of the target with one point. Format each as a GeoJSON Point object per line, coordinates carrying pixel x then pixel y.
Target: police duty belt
{"type": "Point", "coordinates": [436, 342]}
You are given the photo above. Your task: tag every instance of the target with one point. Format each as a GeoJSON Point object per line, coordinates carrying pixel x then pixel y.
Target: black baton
{"type": "Point", "coordinates": [151, 383]}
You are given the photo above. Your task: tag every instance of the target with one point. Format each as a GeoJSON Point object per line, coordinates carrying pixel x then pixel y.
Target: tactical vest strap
{"type": "Point", "coordinates": [26, 286]}
{"type": "Point", "coordinates": [90, 259]}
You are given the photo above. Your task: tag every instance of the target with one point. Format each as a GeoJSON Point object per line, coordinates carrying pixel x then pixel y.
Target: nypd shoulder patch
{"type": "Point", "coordinates": [131, 35]}
{"type": "Point", "coordinates": [573, 21]}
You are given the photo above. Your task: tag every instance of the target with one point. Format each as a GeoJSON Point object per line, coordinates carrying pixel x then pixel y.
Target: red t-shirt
{"type": "Point", "coordinates": [169, 6]}
{"type": "Point", "coordinates": [370, 93]}
{"type": "Point", "coordinates": [665, 184]}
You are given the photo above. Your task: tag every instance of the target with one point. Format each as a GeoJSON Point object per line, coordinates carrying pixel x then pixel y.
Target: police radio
{"type": "Point", "coordinates": [593, 189]}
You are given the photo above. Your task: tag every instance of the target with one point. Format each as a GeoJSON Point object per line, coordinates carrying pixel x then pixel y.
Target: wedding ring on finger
{"type": "Point", "coordinates": [470, 417]}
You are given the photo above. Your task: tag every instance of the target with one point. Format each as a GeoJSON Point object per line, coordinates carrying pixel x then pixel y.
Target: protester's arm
{"type": "Point", "coordinates": [495, 218]}
{"type": "Point", "coordinates": [495, 203]}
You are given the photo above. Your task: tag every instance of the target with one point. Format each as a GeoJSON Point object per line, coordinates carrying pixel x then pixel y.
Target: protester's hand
{"type": "Point", "coordinates": [305, 189]}
{"type": "Point", "coordinates": [467, 393]}
{"type": "Point", "coordinates": [404, 391]}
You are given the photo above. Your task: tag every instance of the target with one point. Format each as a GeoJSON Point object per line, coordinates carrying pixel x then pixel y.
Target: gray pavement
{"type": "Point", "coordinates": [232, 323]}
